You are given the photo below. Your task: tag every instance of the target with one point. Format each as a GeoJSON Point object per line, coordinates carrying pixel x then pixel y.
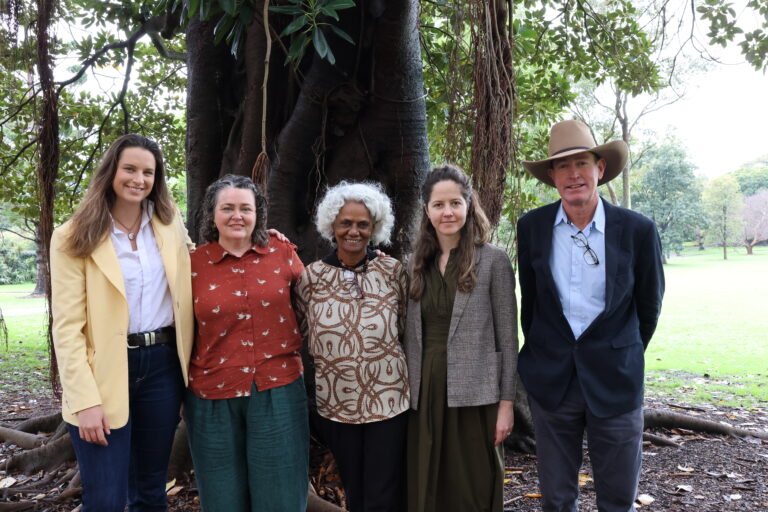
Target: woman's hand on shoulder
{"type": "Point", "coordinates": [93, 426]}
{"type": "Point", "coordinates": [275, 233]}
{"type": "Point", "coordinates": [505, 420]}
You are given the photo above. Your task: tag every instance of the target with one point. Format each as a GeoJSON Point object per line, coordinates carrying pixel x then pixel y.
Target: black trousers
{"type": "Point", "coordinates": [371, 461]}
{"type": "Point", "coordinates": [615, 450]}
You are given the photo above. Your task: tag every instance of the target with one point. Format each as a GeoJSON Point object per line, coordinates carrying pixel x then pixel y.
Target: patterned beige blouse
{"type": "Point", "coordinates": [354, 321]}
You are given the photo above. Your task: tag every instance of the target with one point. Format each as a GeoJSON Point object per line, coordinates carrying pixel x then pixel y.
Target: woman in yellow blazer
{"type": "Point", "coordinates": [123, 327]}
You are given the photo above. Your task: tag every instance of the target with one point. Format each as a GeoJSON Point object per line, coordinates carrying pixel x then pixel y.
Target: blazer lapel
{"type": "Point", "coordinates": [164, 238]}
{"type": "Point", "coordinates": [546, 229]}
{"type": "Point", "coordinates": [613, 229]}
{"type": "Point", "coordinates": [105, 257]}
{"type": "Point", "coordinates": [460, 302]}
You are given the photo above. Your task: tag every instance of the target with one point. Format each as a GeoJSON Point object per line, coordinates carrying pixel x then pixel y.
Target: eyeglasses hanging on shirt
{"type": "Point", "coordinates": [590, 256]}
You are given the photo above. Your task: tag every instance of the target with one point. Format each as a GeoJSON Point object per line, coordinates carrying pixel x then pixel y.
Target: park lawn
{"type": "Point", "coordinates": [17, 296]}
{"type": "Point", "coordinates": [712, 340]}
{"type": "Point", "coordinates": [24, 360]}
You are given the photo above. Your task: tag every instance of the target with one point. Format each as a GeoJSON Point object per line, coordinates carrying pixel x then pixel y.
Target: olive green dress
{"type": "Point", "coordinates": [452, 462]}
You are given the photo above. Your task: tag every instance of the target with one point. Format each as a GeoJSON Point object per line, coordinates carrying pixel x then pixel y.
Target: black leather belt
{"type": "Point", "coordinates": [149, 338]}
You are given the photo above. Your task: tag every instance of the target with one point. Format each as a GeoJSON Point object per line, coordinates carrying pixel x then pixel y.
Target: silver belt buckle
{"type": "Point", "coordinates": [149, 339]}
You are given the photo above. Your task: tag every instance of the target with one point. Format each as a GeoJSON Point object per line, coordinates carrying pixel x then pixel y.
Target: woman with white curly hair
{"type": "Point", "coordinates": [351, 306]}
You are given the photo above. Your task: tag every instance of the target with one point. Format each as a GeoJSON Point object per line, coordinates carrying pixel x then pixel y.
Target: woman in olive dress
{"type": "Point", "coordinates": [461, 350]}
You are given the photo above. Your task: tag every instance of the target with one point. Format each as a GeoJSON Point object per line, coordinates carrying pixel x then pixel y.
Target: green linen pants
{"type": "Point", "coordinates": [251, 454]}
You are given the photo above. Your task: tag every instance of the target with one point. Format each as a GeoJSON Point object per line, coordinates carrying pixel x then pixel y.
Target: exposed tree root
{"type": "Point", "coordinates": [659, 440]}
{"type": "Point", "coordinates": [45, 457]}
{"type": "Point", "coordinates": [20, 439]}
{"type": "Point", "coordinates": [14, 507]}
{"type": "Point", "coordinates": [656, 418]}
{"type": "Point", "coordinates": [48, 423]}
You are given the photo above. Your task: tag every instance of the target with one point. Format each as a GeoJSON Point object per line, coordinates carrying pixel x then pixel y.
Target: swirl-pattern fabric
{"type": "Point", "coordinates": [360, 370]}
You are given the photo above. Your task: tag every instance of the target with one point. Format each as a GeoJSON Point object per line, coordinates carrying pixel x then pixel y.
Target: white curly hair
{"type": "Point", "coordinates": [371, 195]}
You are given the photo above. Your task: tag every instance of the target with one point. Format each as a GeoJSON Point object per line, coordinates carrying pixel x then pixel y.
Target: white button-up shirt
{"type": "Point", "coordinates": [581, 286]}
{"type": "Point", "coordinates": [150, 306]}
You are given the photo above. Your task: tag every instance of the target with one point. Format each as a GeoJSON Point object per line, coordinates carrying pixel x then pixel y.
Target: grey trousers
{"type": "Point", "coordinates": [615, 450]}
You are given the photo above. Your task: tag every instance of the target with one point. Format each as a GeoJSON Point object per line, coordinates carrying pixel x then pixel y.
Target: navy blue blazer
{"type": "Point", "coordinates": [608, 357]}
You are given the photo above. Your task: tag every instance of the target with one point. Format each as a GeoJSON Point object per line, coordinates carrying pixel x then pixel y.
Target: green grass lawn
{"type": "Point", "coordinates": [712, 340]}
{"type": "Point", "coordinates": [24, 361]}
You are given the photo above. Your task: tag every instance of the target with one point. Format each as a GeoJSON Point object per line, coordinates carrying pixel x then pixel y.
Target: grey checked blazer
{"type": "Point", "coordinates": [482, 340]}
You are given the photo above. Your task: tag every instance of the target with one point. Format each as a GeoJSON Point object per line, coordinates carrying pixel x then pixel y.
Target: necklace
{"type": "Point", "coordinates": [129, 231]}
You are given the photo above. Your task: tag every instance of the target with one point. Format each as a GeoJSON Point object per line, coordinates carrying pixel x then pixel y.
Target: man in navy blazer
{"type": "Point", "coordinates": [591, 284]}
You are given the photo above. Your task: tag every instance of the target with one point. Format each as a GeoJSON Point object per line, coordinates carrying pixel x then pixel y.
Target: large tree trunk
{"type": "Point", "coordinates": [362, 119]}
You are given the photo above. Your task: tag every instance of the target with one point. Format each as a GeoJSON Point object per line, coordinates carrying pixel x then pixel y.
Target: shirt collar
{"type": "Point", "coordinates": [333, 259]}
{"type": "Point", "coordinates": [598, 219]}
{"type": "Point", "coordinates": [216, 252]}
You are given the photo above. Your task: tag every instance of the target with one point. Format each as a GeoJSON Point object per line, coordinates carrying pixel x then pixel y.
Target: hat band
{"type": "Point", "coordinates": [584, 148]}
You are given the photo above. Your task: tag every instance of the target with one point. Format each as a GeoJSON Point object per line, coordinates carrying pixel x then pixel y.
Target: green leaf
{"type": "Point", "coordinates": [229, 6]}
{"type": "Point", "coordinates": [340, 4]}
{"type": "Point", "coordinates": [294, 26]}
{"type": "Point", "coordinates": [222, 29]}
{"type": "Point", "coordinates": [296, 50]}
{"type": "Point", "coordinates": [194, 5]}
{"type": "Point", "coordinates": [336, 30]}
{"type": "Point", "coordinates": [285, 9]}
{"type": "Point", "coordinates": [205, 9]}
{"type": "Point", "coordinates": [320, 42]}
{"type": "Point", "coordinates": [330, 13]}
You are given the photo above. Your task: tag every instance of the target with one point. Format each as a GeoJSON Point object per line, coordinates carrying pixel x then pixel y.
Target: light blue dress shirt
{"type": "Point", "coordinates": [581, 286]}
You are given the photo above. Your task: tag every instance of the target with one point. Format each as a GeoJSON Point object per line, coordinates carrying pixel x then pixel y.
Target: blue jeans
{"type": "Point", "coordinates": [251, 454]}
{"type": "Point", "coordinates": [133, 466]}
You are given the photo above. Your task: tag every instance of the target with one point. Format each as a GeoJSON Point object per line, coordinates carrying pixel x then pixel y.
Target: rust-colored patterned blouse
{"type": "Point", "coordinates": [246, 329]}
{"type": "Point", "coordinates": [354, 321]}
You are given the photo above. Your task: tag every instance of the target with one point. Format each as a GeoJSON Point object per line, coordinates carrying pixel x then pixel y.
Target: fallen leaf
{"type": "Point", "coordinates": [175, 490]}
{"type": "Point", "coordinates": [684, 488]}
{"type": "Point", "coordinates": [169, 485]}
{"type": "Point", "coordinates": [533, 495]}
{"type": "Point", "coordinates": [645, 499]}
{"type": "Point", "coordinates": [686, 469]}
{"type": "Point", "coordinates": [584, 479]}
{"type": "Point", "coordinates": [7, 482]}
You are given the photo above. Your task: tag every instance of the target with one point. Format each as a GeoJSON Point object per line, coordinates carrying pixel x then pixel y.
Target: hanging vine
{"type": "Point", "coordinates": [493, 101]}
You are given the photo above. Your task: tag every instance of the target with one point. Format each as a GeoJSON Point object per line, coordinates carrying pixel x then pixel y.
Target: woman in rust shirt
{"type": "Point", "coordinates": [246, 405]}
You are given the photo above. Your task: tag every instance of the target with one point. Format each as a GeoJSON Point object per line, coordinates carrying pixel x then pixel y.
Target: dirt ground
{"type": "Point", "coordinates": [705, 474]}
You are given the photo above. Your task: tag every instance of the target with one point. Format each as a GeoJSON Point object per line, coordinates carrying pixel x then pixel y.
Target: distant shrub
{"type": "Point", "coordinates": [17, 263]}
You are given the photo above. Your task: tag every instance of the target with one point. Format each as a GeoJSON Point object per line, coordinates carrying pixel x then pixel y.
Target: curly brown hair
{"type": "Point", "coordinates": [208, 231]}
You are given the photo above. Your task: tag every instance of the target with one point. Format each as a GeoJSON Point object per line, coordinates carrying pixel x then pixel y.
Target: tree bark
{"type": "Point", "coordinates": [210, 113]}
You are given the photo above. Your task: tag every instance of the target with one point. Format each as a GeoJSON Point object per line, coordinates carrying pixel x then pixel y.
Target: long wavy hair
{"type": "Point", "coordinates": [208, 230]}
{"type": "Point", "coordinates": [91, 221]}
{"type": "Point", "coordinates": [474, 233]}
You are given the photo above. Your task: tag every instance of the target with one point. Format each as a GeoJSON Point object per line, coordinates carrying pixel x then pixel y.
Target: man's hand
{"type": "Point", "coordinates": [93, 425]}
{"type": "Point", "coordinates": [505, 420]}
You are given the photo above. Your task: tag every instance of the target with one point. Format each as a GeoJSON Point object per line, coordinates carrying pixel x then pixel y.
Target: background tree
{"type": "Point", "coordinates": [723, 204]}
{"type": "Point", "coordinates": [755, 214]}
{"type": "Point", "coordinates": [753, 177]}
{"type": "Point", "coordinates": [667, 192]}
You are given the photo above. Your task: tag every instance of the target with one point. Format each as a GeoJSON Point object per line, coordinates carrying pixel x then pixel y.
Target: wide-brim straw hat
{"type": "Point", "coordinates": [572, 137]}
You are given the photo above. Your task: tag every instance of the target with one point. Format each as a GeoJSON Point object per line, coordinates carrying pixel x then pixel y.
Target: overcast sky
{"type": "Point", "coordinates": [722, 119]}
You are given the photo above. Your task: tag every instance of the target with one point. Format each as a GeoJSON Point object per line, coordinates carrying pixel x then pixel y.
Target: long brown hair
{"type": "Point", "coordinates": [474, 233]}
{"type": "Point", "coordinates": [91, 220]}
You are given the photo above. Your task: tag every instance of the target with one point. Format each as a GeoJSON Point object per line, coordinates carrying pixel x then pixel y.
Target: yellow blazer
{"type": "Point", "coordinates": [90, 319]}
